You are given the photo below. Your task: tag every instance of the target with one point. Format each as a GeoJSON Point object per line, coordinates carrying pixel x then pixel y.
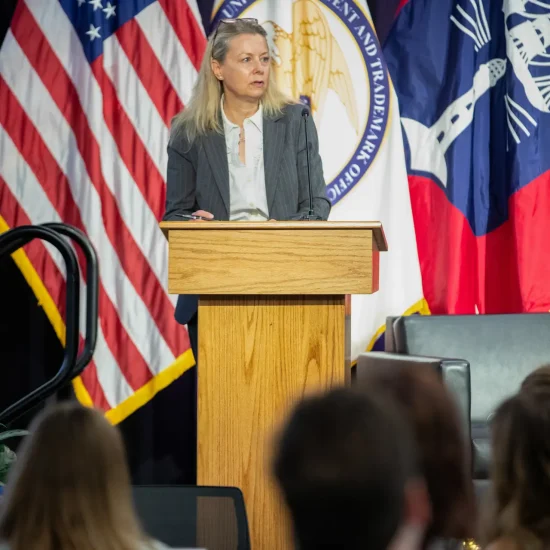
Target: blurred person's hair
{"type": "Point", "coordinates": [70, 487]}
{"type": "Point", "coordinates": [442, 451]}
{"type": "Point", "coordinates": [538, 380]}
{"type": "Point", "coordinates": [342, 461]}
{"type": "Point", "coordinates": [518, 507]}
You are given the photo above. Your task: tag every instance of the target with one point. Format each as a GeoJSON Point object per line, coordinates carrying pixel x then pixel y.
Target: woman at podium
{"type": "Point", "coordinates": [238, 150]}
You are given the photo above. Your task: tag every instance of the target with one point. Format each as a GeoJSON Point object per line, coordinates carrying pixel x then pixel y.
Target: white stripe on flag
{"type": "Point", "coordinates": [59, 137]}
{"type": "Point", "coordinates": [168, 50]}
{"type": "Point", "coordinates": [133, 208]}
{"type": "Point", "coordinates": [31, 196]}
{"type": "Point", "coordinates": [136, 103]}
{"type": "Point", "coordinates": [196, 12]}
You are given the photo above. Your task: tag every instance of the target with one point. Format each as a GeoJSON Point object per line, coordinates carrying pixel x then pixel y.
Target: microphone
{"type": "Point", "coordinates": [311, 216]}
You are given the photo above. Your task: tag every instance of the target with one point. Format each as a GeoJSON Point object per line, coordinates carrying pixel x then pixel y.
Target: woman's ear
{"type": "Point", "coordinates": [216, 69]}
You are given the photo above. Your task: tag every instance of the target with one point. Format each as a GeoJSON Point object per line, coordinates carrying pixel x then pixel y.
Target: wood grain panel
{"type": "Point", "coordinates": [257, 355]}
{"type": "Point", "coordinates": [276, 262]}
{"type": "Point", "coordinates": [375, 227]}
{"type": "Point", "coordinates": [217, 527]}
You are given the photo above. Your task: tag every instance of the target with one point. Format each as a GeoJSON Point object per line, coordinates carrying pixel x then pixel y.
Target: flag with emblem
{"type": "Point", "coordinates": [88, 89]}
{"type": "Point", "coordinates": [326, 53]}
{"type": "Point", "coordinates": [473, 81]}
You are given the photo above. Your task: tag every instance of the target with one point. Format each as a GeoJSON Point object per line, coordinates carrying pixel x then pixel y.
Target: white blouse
{"type": "Point", "coordinates": [247, 195]}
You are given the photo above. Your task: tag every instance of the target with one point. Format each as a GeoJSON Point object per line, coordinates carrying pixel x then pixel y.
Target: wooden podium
{"type": "Point", "coordinates": [272, 326]}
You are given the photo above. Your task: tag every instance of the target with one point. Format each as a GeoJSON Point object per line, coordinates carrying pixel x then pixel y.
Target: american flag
{"type": "Point", "coordinates": [87, 92]}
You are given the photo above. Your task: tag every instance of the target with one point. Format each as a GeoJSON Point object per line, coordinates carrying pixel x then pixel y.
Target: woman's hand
{"type": "Point", "coordinates": [203, 214]}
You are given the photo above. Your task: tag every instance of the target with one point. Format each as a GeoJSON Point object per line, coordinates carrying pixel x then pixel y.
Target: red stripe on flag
{"type": "Point", "coordinates": [63, 92]}
{"type": "Point", "coordinates": [56, 186]}
{"type": "Point", "coordinates": [15, 216]}
{"type": "Point", "coordinates": [130, 147]}
{"type": "Point", "coordinates": [187, 29]}
{"type": "Point", "coordinates": [93, 387]}
{"type": "Point", "coordinates": [149, 70]}
{"type": "Point", "coordinates": [53, 280]}
{"type": "Point", "coordinates": [51, 72]}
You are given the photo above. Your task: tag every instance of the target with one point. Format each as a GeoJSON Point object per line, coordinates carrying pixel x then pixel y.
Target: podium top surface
{"type": "Point", "coordinates": [375, 227]}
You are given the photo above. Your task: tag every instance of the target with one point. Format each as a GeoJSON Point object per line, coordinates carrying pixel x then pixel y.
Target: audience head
{"type": "Point", "coordinates": [442, 451]}
{"type": "Point", "coordinates": [538, 380]}
{"type": "Point", "coordinates": [70, 486]}
{"type": "Point", "coordinates": [346, 467]}
{"type": "Point", "coordinates": [519, 504]}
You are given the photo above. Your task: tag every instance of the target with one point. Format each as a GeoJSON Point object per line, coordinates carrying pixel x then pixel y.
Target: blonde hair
{"type": "Point", "coordinates": [202, 114]}
{"type": "Point", "coordinates": [70, 487]}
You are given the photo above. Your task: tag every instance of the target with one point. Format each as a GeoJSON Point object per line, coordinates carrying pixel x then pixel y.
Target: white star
{"type": "Point", "coordinates": [109, 10]}
{"type": "Point", "coordinates": [93, 33]}
{"type": "Point", "coordinates": [96, 4]}
{"type": "Point", "coordinates": [80, 2]}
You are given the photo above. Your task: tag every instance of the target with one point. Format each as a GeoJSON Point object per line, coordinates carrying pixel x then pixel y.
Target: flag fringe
{"type": "Point", "coordinates": [142, 396]}
{"type": "Point", "coordinates": [420, 307]}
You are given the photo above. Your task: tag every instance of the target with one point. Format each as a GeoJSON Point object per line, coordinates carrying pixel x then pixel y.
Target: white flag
{"type": "Point", "coordinates": [326, 53]}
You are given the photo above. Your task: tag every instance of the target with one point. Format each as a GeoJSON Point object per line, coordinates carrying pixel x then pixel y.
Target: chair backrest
{"type": "Point", "coordinates": [501, 349]}
{"type": "Point", "coordinates": [454, 374]}
{"type": "Point", "coordinates": [184, 516]}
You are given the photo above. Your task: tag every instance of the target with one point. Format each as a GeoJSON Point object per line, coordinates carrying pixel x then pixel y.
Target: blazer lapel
{"type": "Point", "coordinates": [274, 139]}
{"type": "Point", "coordinates": [216, 152]}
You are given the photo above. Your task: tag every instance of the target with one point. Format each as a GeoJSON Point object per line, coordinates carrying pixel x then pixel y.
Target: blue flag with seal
{"type": "Point", "coordinates": [473, 81]}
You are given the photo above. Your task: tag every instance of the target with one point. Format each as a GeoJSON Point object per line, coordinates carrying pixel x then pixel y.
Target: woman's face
{"type": "Point", "coordinates": [245, 70]}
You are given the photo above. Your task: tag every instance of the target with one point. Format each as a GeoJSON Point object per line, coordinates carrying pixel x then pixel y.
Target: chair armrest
{"type": "Point", "coordinates": [377, 359]}
{"type": "Point", "coordinates": [455, 374]}
{"type": "Point", "coordinates": [389, 335]}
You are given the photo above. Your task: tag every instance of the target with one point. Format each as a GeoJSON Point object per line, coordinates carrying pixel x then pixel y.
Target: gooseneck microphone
{"type": "Point", "coordinates": [311, 215]}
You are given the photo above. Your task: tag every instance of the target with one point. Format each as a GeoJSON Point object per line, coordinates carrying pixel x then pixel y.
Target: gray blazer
{"type": "Point", "coordinates": [198, 174]}
{"type": "Point", "coordinates": [198, 178]}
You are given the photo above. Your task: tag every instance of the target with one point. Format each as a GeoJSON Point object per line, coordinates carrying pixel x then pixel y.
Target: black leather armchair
{"type": "Point", "coordinates": [501, 351]}
{"type": "Point", "coordinates": [454, 373]}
